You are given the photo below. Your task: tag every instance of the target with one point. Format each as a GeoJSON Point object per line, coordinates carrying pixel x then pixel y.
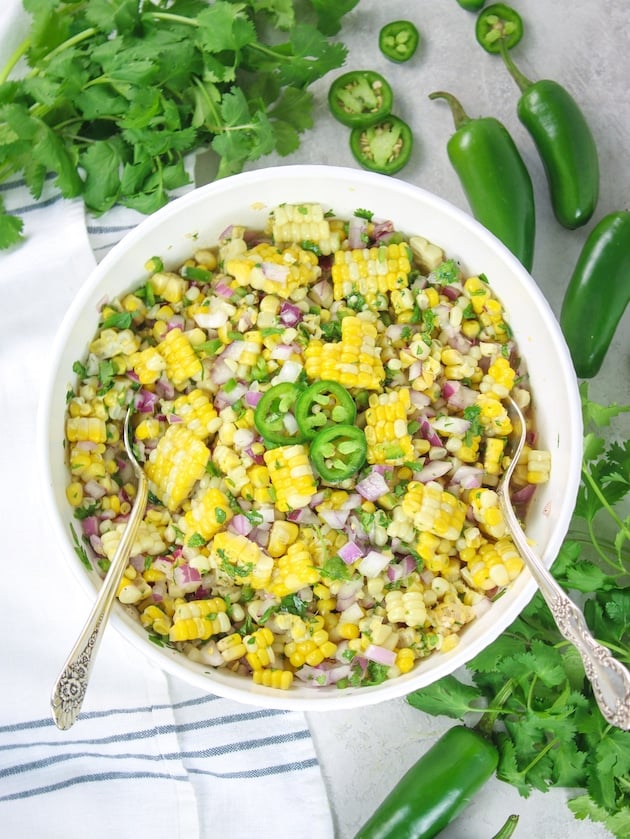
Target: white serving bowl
{"type": "Point", "coordinates": [199, 217]}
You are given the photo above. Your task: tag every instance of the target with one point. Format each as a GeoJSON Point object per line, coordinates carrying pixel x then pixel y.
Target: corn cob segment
{"type": "Point", "coordinates": [180, 358]}
{"type": "Point", "coordinates": [209, 513]}
{"type": "Point", "coordinates": [386, 428]}
{"type": "Point", "coordinates": [242, 560]}
{"type": "Point", "coordinates": [267, 268]}
{"type": "Point", "coordinates": [355, 361]}
{"type": "Point", "coordinates": [176, 464]}
{"type": "Point", "coordinates": [304, 223]}
{"type": "Point", "coordinates": [197, 413]}
{"type": "Point", "coordinates": [434, 510]}
{"type": "Point", "coordinates": [291, 476]}
{"type": "Point", "coordinates": [370, 272]}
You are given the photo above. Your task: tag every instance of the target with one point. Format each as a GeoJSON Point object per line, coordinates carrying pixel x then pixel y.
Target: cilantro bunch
{"type": "Point", "coordinates": [118, 92]}
{"type": "Point", "coordinates": [538, 706]}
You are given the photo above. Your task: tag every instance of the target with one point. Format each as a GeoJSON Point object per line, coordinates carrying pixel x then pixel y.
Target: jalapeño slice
{"type": "Point", "coordinates": [359, 98]}
{"type": "Point", "coordinates": [274, 415]}
{"type": "Point", "coordinates": [323, 404]}
{"type": "Point", "coordinates": [384, 147]}
{"type": "Point", "coordinates": [398, 40]}
{"type": "Point", "coordinates": [338, 452]}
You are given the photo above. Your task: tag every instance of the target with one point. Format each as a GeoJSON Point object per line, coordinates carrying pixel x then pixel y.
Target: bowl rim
{"type": "Point", "coordinates": [176, 663]}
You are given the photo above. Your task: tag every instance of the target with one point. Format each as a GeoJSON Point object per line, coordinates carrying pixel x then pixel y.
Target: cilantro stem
{"type": "Point", "coordinates": [187, 21]}
{"type": "Point", "coordinates": [85, 35]}
{"type": "Point", "coordinates": [596, 489]}
{"type": "Point", "coordinates": [15, 56]}
{"type": "Point", "coordinates": [539, 756]}
{"type": "Point", "coordinates": [486, 723]}
{"type": "Point", "coordinates": [595, 543]}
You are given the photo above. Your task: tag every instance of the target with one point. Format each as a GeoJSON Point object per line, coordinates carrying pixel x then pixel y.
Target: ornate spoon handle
{"type": "Point", "coordinates": [69, 689]}
{"type": "Point", "coordinates": [609, 678]}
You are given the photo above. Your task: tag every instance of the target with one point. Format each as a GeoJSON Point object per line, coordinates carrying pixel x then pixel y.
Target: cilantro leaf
{"type": "Point", "coordinates": [120, 92]}
{"type": "Point", "coordinates": [330, 12]}
{"type": "Point", "coordinates": [447, 697]}
{"type": "Point", "coordinates": [11, 228]}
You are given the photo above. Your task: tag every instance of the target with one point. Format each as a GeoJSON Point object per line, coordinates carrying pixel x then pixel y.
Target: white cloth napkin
{"type": "Point", "coordinates": [150, 756]}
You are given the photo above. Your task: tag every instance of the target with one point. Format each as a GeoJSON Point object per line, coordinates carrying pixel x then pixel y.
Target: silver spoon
{"type": "Point", "coordinates": [71, 685]}
{"type": "Point", "coordinates": [609, 678]}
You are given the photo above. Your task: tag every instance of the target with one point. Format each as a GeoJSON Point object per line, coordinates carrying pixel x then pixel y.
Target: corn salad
{"type": "Point", "coordinates": [320, 407]}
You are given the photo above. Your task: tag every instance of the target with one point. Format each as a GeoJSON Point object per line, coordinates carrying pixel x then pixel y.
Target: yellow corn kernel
{"type": "Point", "coordinates": [113, 342]}
{"type": "Point", "coordinates": [74, 493]}
{"type": "Point", "coordinates": [152, 617]}
{"type": "Point", "coordinates": [176, 464]}
{"type": "Point", "coordinates": [484, 504]}
{"type": "Point", "coordinates": [282, 534]}
{"type": "Point", "coordinates": [538, 466]}
{"type": "Point", "coordinates": [86, 429]}
{"type": "Point", "coordinates": [405, 659]}
{"type": "Point", "coordinates": [499, 380]}
{"type": "Point", "coordinates": [148, 365]}
{"type": "Point", "coordinates": [199, 620]}
{"type": "Point", "coordinates": [232, 647]}
{"type": "Point", "coordinates": [148, 429]}
{"type": "Point", "coordinates": [280, 679]}
{"type": "Point", "coordinates": [493, 416]}
{"type": "Point", "coordinates": [259, 650]}
{"type": "Point", "coordinates": [406, 607]}
{"type": "Point", "coordinates": [348, 631]}
{"type": "Point", "coordinates": [493, 455]}
{"type": "Point", "coordinates": [479, 293]}
{"type": "Point", "coordinates": [167, 285]}
{"type": "Point", "coordinates": [353, 362]}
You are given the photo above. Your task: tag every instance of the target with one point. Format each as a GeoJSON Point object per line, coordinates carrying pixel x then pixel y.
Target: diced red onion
{"type": "Point", "coordinates": [223, 289]}
{"type": "Point", "coordinates": [335, 519]}
{"type": "Point", "coordinates": [253, 397]}
{"type": "Point", "coordinates": [220, 373]}
{"type": "Point", "coordinates": [241, 524]}
{"type": "Point", "coordinates": [275, 272]}
{"type": "Point", "coordinates": [187, 578]}
{"type": "Point", "coordinates": [227, 233]}
{"type": "Point", "coordinates": [426, 429]}
{"type": "Point", "coordinates": [418, 399]}
{"type": "Point", "coordinates": [433, 470]}
{"type": "Point", "coordinates": [347, 594]}
{"type": "Point", "coordinates": [381, 655]}
{"type": "Point", "coordinates": [373, 564]}
{"type": "Point", "coordinates": [468, 477]}
{"type": "Point", "coordinates": [282, 352]}
{"type": "Point", "coordinates": [451, 425]}
{"type": "Point", "coordinates": [146, 401]}
{"type": "Point", "coordinates": [289, 372]}
{"type": "Point", "coordinates": [356, 231]}
{"type": "Point", "coordinates": [90, 526]}
{"type": "Point", "coordinates": [373, 486]}
{"type": "Point", "coordinates": [522, 496]}
{"type": "Point", "coordinates": [350, 552]}
{"type": "Point", "coordinates": [290, 314]}
{"type": "Point", "coordinates": [94, 489]}
{"type": "Point", "coordinates": [382, 230]}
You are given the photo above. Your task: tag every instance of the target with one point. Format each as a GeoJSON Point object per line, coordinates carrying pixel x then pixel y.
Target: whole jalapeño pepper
{"type": "Point", "coordinates": [556, 124]}
{"type": "Point", "coordinates": [494, 178]}
{"type": "Point", "coordinates": [598, 293]}
{"type": "Point", "coordinates": [565, 144]}
{"type": "Point", "coordinates": [435, 789]}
